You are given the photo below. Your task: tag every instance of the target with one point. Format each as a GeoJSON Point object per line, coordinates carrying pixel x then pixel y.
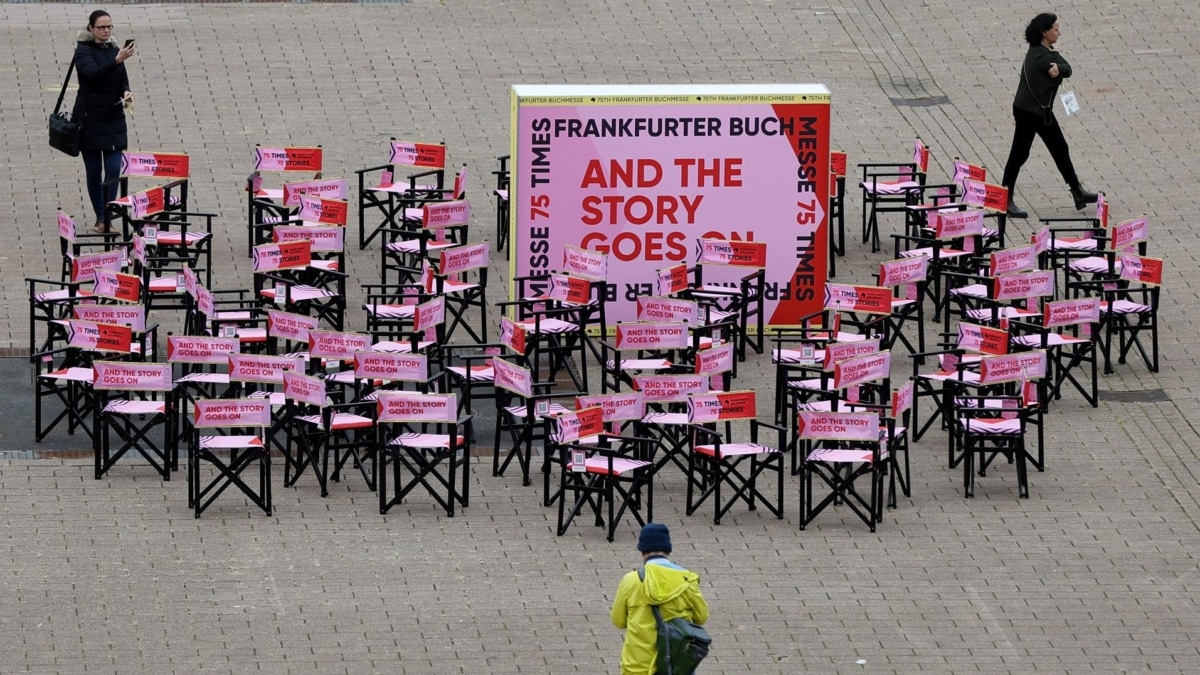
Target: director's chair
{"type": "Point", "coordinates": [666, 422]}
{"type": "Point", "coordinates": [424, 435]}
{"type": "Point", "coordinates": [839, 449]}
{"type": "Point", "coordinates": [717, 460]}
{"type": "Point", "coordinates": [1068, 334]}
{"type": "Point", "coordinates": [133, 400]}
{"type": "Point", "coordinates": [392, 195]}
{"type": "Point", "coordinates": [987, 427]}
{"type": "Point", "coordinates": [890, 188]}
{"type": "Point", "coordinates": [264, 204]}
{"type": "Point", "coordinates": [318, 428]}
{"type": "Point", "coordinates": [608, 474]}
{"type": "Point", "coordinates": [739, 299]}
{"type": "Point", "coordinates": [169, 171]}
{"type": "Point", "coordinates": [236, 426]}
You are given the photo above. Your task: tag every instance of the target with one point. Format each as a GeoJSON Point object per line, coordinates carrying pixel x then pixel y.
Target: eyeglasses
{"type": "Point", "coordinates": [108, 27]}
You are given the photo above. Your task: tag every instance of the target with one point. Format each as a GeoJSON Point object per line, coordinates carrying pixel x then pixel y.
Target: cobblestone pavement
{"type": "Point", "coordinates": [1096, 571]}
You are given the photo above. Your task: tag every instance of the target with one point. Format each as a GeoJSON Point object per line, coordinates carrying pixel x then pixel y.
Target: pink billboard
{"type": "Point", "coordinates": [643, 172]}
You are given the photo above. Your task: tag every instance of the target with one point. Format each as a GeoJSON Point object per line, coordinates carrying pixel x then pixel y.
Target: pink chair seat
{"type": "Point", "coordinates": [60, 295]}
{"type": "Point", "coordinates": [230, 442]}
{"type": "Point", "coordinates": [169, 238]}
{"type": "Point", "coordinates": [550, 326]}
{"type": "Point", "coordinates": [475, 373]}
{"type": "Point", "coordinates": [204, 378]}
{"type": "Point", "coordinates": [928, 253]}
{"type": "Point", "coordinates": [665, 419]}
{"type": "Point", "coordinates": [642, 364]}
{"type": "Point", "coordinates": [340, 421]}
{"type": "Point", "coordinates": [992, 426]}
{"type": "Point", "coordinates": [390, 311]}
{"type": "Point", "coordinates": [300, 293]}
{"type": "Point", "coordinates": [735, 450]}
{"type": "Point", "coordinates": [843, 456]}
{"type": "Point", "coordinates": [424, 441]}
{"type": "Point", "coordinates": [620, 466]}
{"type": "Point", "coordinates": [888, 188]}
{"type": "Point", "coordinates": [414, 246]}
{"type": "Point", "coordinates": [135, 407]}
{"type": "Point", "coordinates": [401, 347]}
{"type": "Point", "coordinates": [1125, 307]}
{"type": "Point", "coordinates": [71, 374]}
{"type": "Point", "coordinates": [519, 411]}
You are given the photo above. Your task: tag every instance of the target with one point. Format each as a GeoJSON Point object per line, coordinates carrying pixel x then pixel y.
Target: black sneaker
{"type": "Point", "coordinates": [1015, 211]}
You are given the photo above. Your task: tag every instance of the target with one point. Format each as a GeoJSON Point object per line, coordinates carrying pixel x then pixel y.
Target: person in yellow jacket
{"type": "Point", "coordinates": [675, 590]}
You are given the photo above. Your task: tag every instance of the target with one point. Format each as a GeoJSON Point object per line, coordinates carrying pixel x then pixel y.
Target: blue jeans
{"type": "Point", "coordinates": [98, 192]}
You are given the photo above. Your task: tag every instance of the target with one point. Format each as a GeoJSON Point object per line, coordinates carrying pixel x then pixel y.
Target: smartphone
{"type": "Point", "coordinates": [128, 42]}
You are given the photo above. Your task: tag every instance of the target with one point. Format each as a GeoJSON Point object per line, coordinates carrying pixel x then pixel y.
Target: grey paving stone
{"type": "Point", "coordinates": [1095, 572]}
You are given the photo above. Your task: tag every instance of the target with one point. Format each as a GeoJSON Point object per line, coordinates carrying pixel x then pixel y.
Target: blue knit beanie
{"type": "Point", "coordinates": [654, 537]}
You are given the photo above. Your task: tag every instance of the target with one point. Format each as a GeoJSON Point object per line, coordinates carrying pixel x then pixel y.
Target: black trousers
{"type": "Point", "coordinates": [1028, 126]}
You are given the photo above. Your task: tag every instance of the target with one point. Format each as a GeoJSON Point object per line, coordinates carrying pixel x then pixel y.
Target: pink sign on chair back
{"type": "Point", "coordinates": [212, 413]}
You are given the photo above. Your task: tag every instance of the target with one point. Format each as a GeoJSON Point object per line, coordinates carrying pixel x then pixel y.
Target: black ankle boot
{"type": "Point", "coordinates": [1015, 211]}
{"type": "Point", "coordinates": [1082, 197]}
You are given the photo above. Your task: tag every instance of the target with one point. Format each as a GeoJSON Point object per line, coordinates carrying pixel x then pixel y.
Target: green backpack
{"type": "Point", "coordinates": [682, 645]}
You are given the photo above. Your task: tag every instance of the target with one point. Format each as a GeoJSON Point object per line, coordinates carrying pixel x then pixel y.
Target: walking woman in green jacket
{"type": "Point", "coordinates": [1033, 111]}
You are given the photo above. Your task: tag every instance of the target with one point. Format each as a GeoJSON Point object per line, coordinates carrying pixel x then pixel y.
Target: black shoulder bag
{"type": "Point", "coordinates": [682, 645]}
{"type": "Point", "coordinates": [64, 133]}
{"type": "Point", "coordinates": [1047, 115]}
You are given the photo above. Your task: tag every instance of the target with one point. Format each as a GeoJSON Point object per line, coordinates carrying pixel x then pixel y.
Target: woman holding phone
{"type": "Point", "coordinates": [100, 108]}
